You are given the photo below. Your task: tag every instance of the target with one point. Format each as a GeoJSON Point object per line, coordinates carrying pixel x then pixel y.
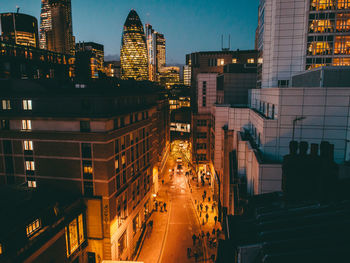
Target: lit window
{"type": "Point", "coordinates": [123, 159]}
{"type": "Point", "coordinates": [342, 45]}
{"type": "Point", "coordinates": [116, 164]}
{"type": "Point", "coordinates": [343, 4]}
{"type": "Point", "coordinates": [30, 166]}
{"type": "Point", "coordinates": [6, 105]}
{"type": "Point", "coordinates": [234, 60]}
{"type": "Point", "coordinates": [28, 145]}
{"type": "Point", "coordinates": [33, 227]}
{"type": "Point", "coordinates": [260, 60]}
{"type": "Point", "coordinates": [221, 62]}
{"type": "Point", "coordinates": [343, 22]}
{"type": "Point", "coordinates": [26, 124]}
{"type": "Point", "coordinates": [27, 104]}
{"type": "Point", "coordinates": [81, 228]}
{"type": "Point", "coordinates": [0, 248]}
{"type": "Point", "coordinates": [250, 60]}
{"type": "Point", "coordinates": [73, 235]}
{"type": "Point", "coordinates": [31, 184]}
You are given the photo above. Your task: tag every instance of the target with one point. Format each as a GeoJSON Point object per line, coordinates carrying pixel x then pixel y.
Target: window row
{"type": "Point", "coordinates": [75, 234]}
{"type": "Point", "coordinates": [331, 23]}
{"type": "Point", "coordinates": [325, 47]}
{"type": "Point", "coordinates": [316, 5]}
{"type": "Point", "coordinates": [26, 105]}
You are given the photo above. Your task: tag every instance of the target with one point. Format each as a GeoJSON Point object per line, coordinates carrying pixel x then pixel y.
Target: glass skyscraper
{"type": "Point", "coordinates": [56, 30]}
{"type": "Point", "coordinates": [133, 53]}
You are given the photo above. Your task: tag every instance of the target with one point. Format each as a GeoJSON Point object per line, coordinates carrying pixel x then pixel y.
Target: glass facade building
{"type": "Point", "coordinates": [56, 30]}
{"type": "Point", "coordinates": [19, 29]}
{"type": "Point", "coordinates": [133, 53]}
{"type": "Point", "coordinates": [328, 41]}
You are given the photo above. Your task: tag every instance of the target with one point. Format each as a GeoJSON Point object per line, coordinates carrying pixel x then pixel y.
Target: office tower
{"type": "Point", "coordinates": [156, 52]}
{"type": "Point", "coordinates": [112, 69]}
{"type": "Point", "coordinates": [298, 35]}
{"type": "Point", "coordinates": [187, 75]}
{"type": "Point", "coordinates": [89, 60]}
{"type": "Point", "coordinates": [56, 31]}
{"type": "Point", "coordinates": [133, 53]}
{"type": "Point", "coordinates": [19, 29]}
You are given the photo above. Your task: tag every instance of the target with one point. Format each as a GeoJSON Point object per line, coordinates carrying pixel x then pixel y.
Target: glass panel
{"type": "Point", "coordinates": [73, 236]}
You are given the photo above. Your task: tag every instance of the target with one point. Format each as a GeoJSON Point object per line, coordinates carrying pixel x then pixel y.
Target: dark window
{"type": "Point", "coordinates": [283, 83]}
{"type": "Point", "coordinates": [143, 115]}
{"type": "Point", "coordinates": [201, 135]}
{"type": "Point", "coordinates": [146, 114]}
{"type": "Point", "coordinates": [85, 105]}
{"type": "Point", "coordinates": [131, 118]}
{"type": "Point", "coordinates": [201, 122]}
{"type": "Point", "coordinates": [84, 126]}
{"type": "Point", "coordinates": [7, 147]}
{"type": "Point", "coordinates": [122, 122]}
{"type": "Point", "coordinates": [4, 124]}
{"type": "Point", "coordinates": [9, 164]}
{"type": "Point", "coordinates": [86, 150]}
{"type": "Point", "coordinates": [91, 257]}
{"type": "Point", "coordinates": [116, 147]}
{"type": "Point", "coordinates": [124, 177]}
{"type": "Point", "coordinates": [136, 117]}
{"type": "Point", "coordinates": [116, 126]}
{"type": "Point", "coordinates": [88, 189]}
{"type": "Point", "coordinates": [118, 181]}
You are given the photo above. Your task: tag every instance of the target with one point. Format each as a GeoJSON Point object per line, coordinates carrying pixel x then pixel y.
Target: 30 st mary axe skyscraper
{"type": "Point", "coordinates": [133, 52]}
{"type": "Point", "coordinates": [56, 33]}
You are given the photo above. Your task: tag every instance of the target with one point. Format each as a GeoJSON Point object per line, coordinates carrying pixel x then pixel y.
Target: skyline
{"type": "Point", "coordinates": [111, 16]}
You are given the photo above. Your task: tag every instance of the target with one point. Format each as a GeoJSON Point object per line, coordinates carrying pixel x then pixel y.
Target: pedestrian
{"type": "Point", "coordinates": [212, 207]}
{"type": "Point", "coordinates": [215, 219]}
{"type": "Point", "coordinates": [203, 197]}
{"type": "Point", "coordinates": [218, 232]}
{"type": "Point", "coordinates": [196, 256]}
{"type": "Point", "coordinates": [207, 216]}
{"type": "Point", "coordinates": [200, 214]}
{"type": "Point", "coordinates": [194, 238]}
{"type": "Point", "coordinates": [213, 232]}
{"type": "Point", "coordinates": [163, 181]}
{"type": "Point", "coordinates": [205, 193]}
{"type": "Point", "coordinates": [208, 235]}
{"type": "Point", "coordinates": [197, 207]}
{"type": "Point", "coordinates": [201, 206]}
{"type": "Point", "coordinates": [156, 205]}
{"type": "Point", "coordinates": [208, 199]}
{"type": "Point", "coordinates": [202, 234]}
{"type": "Point", "coordinates": [203, 221]}
{"type": "Point", "coordinates": [206, 208]}
{"type": "Point", "coordinates": [164, 206]}
{"type": "Point", "coordinates": [195, 201]}
{"type": "Point", "coordinates": [212, 257]}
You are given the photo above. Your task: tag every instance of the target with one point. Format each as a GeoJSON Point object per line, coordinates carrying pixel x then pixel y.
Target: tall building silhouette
{"type": "Point", "coordinates": [156, 52]}
{"type": "Point", "coordinates": [133, 53]}
{"type": "Point", "coordinates": [20, 29]}
{"type": "Point", "coordinates": [56, 33]}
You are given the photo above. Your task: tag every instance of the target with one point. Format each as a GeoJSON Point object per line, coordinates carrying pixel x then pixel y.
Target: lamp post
{"type": "Point", "coordinates": [294, 122]}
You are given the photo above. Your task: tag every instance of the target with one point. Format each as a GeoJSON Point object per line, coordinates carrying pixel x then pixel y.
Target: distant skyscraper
{"type": "Point", "coordinates": [19, 29]}
{"type": "Point", "coordinates": [133, 53]}
{"type": "Point", "coordinates": [89, 60]}
{"type": "Point", "coordinates": [156, 52]}
{"type": "Point", "coordinates": [56, 33]}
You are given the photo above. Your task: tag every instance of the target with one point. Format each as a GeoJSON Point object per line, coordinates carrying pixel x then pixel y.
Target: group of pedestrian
{"type": "Point", "coordinates": [162, 206]}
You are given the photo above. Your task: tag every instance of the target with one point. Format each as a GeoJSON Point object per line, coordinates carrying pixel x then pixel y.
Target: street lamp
{"type": "Point", "coordinates": [294, 122]}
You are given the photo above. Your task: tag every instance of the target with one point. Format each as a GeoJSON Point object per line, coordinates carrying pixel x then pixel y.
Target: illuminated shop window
{"type": "Point", "coordinates": [27, 104]}
{"type": "Point", "coordinates": [234, 60]}
{"type": "Point", "coordinates": [6, 104]}
{"type": "Point", "coordinates": [30, 166]}
{"type": "Point", "coordinates": [342, 45]}
{"type": "Point", "coordinates": [250, 60]}
{"type": "Point", "coordinates": [33, 227]}
{"type": "Point", "coordinates": [28, 145]}
{"type": "Point", "coordinates": [26, 125]}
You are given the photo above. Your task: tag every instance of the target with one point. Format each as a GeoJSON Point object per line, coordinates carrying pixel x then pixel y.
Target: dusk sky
{"type": "Point", "coordinates": [188, 25]}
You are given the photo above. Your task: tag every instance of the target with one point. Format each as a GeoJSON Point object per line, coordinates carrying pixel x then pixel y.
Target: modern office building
{"type": "Point", "coordinates": [106, 140]}
{"type": "Point", "coordinates": [156, 52]}
{"type": "Point", "coordinates": [25, 62]}
{"type": "Point", "coordinates": [89, 60]}
{"type": "Point", "coordinates": [20, 29]}
{"type": "Point", "coordinates": [169, 76]}
{"type": "Point", "coordinates": [187, 75]}
{"type": "Point", "coordinates": [298, 35]}
{"type": "Point", "coordinates": [133, 51]}
{"type": "Point", "coordinates": [112, 69]}
{"type": "Point", "coordinates": [56, 30]}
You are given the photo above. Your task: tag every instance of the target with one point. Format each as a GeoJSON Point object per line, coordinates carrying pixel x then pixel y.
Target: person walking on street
{"type": "Point", "coordinates": [206, 208]}
{"type": "Point", "coordinates": [212, 208]}
{"type": "Point", "coordinates": [203, 197]}
{"type": "Point", "coordinates": [207, 216]}
{"type": "Point", "coordinates": [194, 238]}
{"type": "Point", "coordinates": [215, 219]}
{"type": "Point", "coordinates": [156, 205]}
{"type": "Point", "coordinates": [202, 234]}
{"type": "Point", "coordinates": [218, 232]}
{"type": "Point", "coordinates": [205, 193]}
{"type": "Point", "coordinates": [201, 206]}
{"type": "Point", "coordinates": [198, 207]}
{"type": "Point", "coordinates": [213, 232]}
{"type": "Point", "coordinates": [164, 207]}
{"type": "Point", "coordinates": [208, 235]}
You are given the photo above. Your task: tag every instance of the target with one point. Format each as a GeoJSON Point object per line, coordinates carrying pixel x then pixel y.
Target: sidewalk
{"type": "Point", "coordinates": [210, 243]}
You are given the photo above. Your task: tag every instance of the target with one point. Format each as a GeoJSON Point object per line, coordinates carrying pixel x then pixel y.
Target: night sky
{"type": "Point", "coordinates": [188, 25]}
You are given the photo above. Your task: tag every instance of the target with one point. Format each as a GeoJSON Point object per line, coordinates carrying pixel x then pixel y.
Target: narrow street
{"type": "Point", "coordinates": [173, 229]}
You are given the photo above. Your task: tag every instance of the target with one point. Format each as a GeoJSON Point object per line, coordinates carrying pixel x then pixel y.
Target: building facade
{"type": "Point", "coordinates": [298, 35]}
{"type": "Point", "coordinates": [56, 30]}
{"type": "Point", "coordinates": [106, 144]}
{"type": "Point", "coordinates": [20, 29]}
{"type": "Point", "coordinates": [133, 52]}
{"type": "Point", "coordinates": [89, 60]}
